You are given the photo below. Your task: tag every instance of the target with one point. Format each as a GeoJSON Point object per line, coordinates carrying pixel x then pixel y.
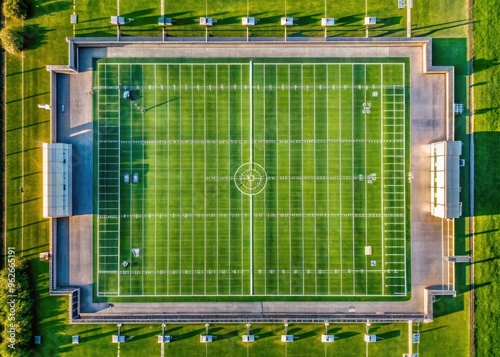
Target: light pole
{"type": "Point", "coordinates": [409, 5]}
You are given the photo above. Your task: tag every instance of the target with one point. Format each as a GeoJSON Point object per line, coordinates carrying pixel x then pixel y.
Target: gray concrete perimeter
{"type": "Point", "coordinates": [429, 109]}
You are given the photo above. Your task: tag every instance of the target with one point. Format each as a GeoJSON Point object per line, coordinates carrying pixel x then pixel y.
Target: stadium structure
{"type": "Point", "coordinates": [235, 181]}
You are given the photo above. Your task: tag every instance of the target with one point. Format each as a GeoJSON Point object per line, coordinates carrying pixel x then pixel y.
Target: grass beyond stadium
{"type": "Point", "coordinates": [256, 177]}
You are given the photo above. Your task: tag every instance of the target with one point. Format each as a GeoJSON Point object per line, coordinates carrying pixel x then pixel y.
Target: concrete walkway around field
{"type": "Point", "coordinates": [431, 120]}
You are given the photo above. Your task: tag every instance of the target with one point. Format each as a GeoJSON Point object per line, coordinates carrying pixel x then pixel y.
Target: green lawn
{"type": "Point", "coordinates": [255, 178]}
{"type": "Point", "coordinates": [349, 340]}
{"type": "Point", "coordinates": [50, 25]}
{"type": "Point", "coordinates": [487, 198]}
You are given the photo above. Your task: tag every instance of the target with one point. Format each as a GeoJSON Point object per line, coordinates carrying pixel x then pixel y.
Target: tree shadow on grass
{"type": "Point", "coordinates": [137, 14]}
{"type": "Point", "coordinates": [439, 27]}
{"type": "Point", "coordinates": [41, 8]}
{"type": "Point", "coordinates": [260, 336]}
{"type": "Point", "coordinates": [227, 335]}
{"type": "Point", "coordinates": [346, 334]}
{"type": "Point", "coordinates": [432, 329]}
{"type": "Point", "coordinates": [481, 64]}
{"type": "Point", "coordinates": [445, 305]}
{"type": "Point", "coordinates": [487, 174]}
{"type": "Point", "coordinates": [334, 331]}
{"type": "Point", "coordinates": [98, 336]}
{"type": "Point", "coordinates": [389, 21]}
{"type": "Point", "coordinates": [306, 335]}
{"type": "Point", "coordinates": [485, 110]}
{"type": "Point", "coordinates": [487, 259]}
{"type": "Point", "coordinates": [349, 20]}
{"type": "Point", "coordinates": [189, 334]}
{"type": "Point", "coordinates": [293, 330]}
{"type": "Point", "coordinates": [172, 330]}
{"type": "Point", "coordinates": [34, 36]}
{"type": "Point", "coordinates": [144, 336]}
{"type": "Point", "coordinates": [388, 335]}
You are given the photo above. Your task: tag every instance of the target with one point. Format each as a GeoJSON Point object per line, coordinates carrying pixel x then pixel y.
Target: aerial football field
{"type": "Point", "coordinates": [275, 178]}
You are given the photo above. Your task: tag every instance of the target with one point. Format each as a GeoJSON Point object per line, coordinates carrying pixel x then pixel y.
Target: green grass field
{"type": "Point", "coordinates": [27, 84]}
{"type": "Point", "coordinates": [254, 179]}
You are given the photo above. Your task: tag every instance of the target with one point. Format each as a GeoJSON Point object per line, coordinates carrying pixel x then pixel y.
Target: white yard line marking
{"type": "Point", "coordinates": [205, 181]}
{"type": "Point", "coordinates": [314, 186]}
{"type": "Point", "coordinates": [156, 180]}
{"type": "Point", "coordinates": [328, 173]}
{"type": "Point", "coordinates": [302, 167]}
{"type": "Point", "coordinates": [277, 192]}
{"type": "Point", "coordinates": [130, 188]}
{"type": "Point", "coordinates": [98, 175]}
{"type": "Point", "coordinates": [340, 170]}
{"type": "Point", "coordinates": [168, 180]}
{"type": "Point", "coordinates": [242, 222]}
{"type": "Point", "coordinates": [142, 184]}
{"type": "Point", "coordinates": [404, 160]}
{"type": "Point", "coordinates": [382, 118]}
{"type": "Point", "coordinates": [366, 197]}
{"type": "Point", "coordinates": [180, 178]}
{"type": "Point", "coordinates": [217, 174]}
{"type": "Point", "coordinates": [352, 184]}
{"type": "Point", "coordinates": [229, 168]}
{"type": "Point", "coordinates": [251, 160]}
{"type": "Point", "coordinates": [264, 165]}
{"type": "Point", "coordinates": [192, 182]}
{"type": "Point", "coordinates": [289, 184]}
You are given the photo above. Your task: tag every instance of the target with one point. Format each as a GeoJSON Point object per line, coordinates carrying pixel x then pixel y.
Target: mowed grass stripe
{"type": "Point", "coordinates": [346, 194]}
{"type": "Point", "coordinates": [161, 180]}
{"type": "Point", "coordinates": [296, 245]}
{"type": "Point", "coordinates": [126, 201]}
{"type": "Point", "coordinates": [136, 190]}
{"type": "Point", "coordinates": [186, 155]}
{"type": "Point", "coordinates": [374, 194]}
{"type": "Point", "coordinates": [174, 195]}
{"type": "Point", "coordinates": [322, 251]}
{"type": "Point", "coordinates": [259, 233]}
{"type": "Point", "coordinates": [269, 194]}
{"type": "Point", "coordinates": [308, 172]}
{"type": "Point", "coordinates": [198, 183]}
{"type": "Point", "coordinates": [283, 186]}
{"type": "Point", "coordinates": [245, 121]}
{"type": "Point", "coordinates": [223, 201]}
{"type": "Point", "coordinates": [360, 185]}
{"type": "Point", "coordinates": [235, 226]}
{"type": "Point", "coordinates": [211, 185]}
{"type": "Point", "coordinates": [148, 184]}
{"type": "Point", "coordinates": [334, 170]}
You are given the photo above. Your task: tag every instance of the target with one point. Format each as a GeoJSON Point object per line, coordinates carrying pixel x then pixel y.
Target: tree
{"type": "Point", "coordinates": [16, 309]}
{"type": "Point", "coordinates": [12, 40]}
{"type": "Point", "coordinates": [16, 9]}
